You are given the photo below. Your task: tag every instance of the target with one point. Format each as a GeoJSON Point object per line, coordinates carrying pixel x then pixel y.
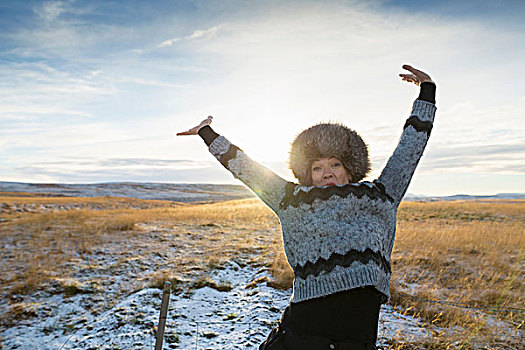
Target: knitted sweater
{"type": "Point", "coordinates": [336, 238]}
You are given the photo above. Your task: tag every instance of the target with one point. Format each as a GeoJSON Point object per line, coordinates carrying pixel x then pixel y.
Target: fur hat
{"type": "Point", "coordinates": [327, 140]}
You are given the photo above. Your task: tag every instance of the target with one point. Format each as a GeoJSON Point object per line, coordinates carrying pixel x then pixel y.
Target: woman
{"type": "Point", "coordinates": [338, 231]}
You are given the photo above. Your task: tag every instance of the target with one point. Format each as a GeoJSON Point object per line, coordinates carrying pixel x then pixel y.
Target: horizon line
{"type": "Point", "coordinates": [240, 185]}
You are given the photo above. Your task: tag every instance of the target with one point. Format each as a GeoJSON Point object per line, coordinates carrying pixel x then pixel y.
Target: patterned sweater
{"type": "Point", "coordinates": [336, 238]}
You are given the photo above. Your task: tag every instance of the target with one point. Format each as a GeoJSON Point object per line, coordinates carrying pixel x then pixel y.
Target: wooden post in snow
{"type": "Point", "coordinates": [163, 314]}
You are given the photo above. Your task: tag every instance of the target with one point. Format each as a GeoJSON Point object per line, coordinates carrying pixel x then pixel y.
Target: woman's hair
{"type": "Point", "coordinates": [328, 140]}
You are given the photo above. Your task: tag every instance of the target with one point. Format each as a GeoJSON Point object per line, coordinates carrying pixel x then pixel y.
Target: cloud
{"type": "Point", "coordinates": [204, 33]}
{"type": "Point", "coordinates": [169, 42]}
{"type": "Point", "coordinates": [197, 34]}
{"type": "Point", "coordinates": [122, 163]}
{"type": "Point", "coordinates": [492, 158]}
{"type": "Point", "coordinates": [481, 151]}
{"type": "Point", "coordinates": [50, 10]}
{"type": "Point", "coordinates": [179, 164]}
{"type": "Point", "coordinates": [148, 82]}
{"type": "Point", "coordinates": [142, 170]}
{"type": "Point", "coordinates": [466, 158]}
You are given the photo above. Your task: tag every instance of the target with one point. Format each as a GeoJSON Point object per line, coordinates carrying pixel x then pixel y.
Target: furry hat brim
{"type": "Point", "coordinates": [327, 140]}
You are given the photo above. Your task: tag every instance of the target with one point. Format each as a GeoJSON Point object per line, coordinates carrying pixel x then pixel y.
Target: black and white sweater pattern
{"type": "Point", "coordinates": [337, 238]}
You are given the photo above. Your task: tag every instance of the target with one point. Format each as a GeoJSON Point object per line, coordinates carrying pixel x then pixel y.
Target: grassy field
{"type": "Point", "coordinates": [470, 252]}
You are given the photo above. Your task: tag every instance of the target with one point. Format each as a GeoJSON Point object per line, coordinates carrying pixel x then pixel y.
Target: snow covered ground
{"type": "Point", "coordinates": [112, 310]}
{"type": "Point", "coordinates": [205, 319]}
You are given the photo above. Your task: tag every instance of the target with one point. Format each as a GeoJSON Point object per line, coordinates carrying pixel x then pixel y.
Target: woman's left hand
{"type": "Point", "coordinates": [417, 77]}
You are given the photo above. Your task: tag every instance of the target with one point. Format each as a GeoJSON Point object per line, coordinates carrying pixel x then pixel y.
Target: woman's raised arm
{"type": "Point", "coordinates": [398, 172]}
{"type": "Point", "coordinates": [267, 185]}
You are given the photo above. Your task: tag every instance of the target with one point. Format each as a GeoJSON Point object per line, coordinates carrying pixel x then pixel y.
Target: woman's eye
{"type": "Point", "coordinates": [316, 168]}
{"type": "Point", "coordinates": [336, 165]}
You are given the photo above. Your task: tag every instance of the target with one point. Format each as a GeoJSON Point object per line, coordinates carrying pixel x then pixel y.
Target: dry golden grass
{"type": "Point", "coordinates": [464, 251]}
{"type": "Point", "coordinates": [35, 198]}
{"type": "Point", "coordinates": [21, 203]}
{"type": "Point", "coordinates": [41, 243]}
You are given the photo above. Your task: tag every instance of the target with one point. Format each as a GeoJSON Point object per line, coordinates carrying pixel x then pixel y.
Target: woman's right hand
{"type": "Point", "coordinates": [195, 130]}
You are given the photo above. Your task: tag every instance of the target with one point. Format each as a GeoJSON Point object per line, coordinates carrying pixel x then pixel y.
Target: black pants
{"type": "Point", "coordinates": [345, 321]}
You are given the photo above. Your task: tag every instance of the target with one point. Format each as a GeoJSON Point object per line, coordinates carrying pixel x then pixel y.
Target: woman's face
{"type": "Point", "coordinates": [329, 171]}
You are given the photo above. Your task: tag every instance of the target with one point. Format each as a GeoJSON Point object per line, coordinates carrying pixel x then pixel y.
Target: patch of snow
{"type": "Point", "coordinates": [203, 319]}
{"type": "Point", "coordinates": [395, 325]}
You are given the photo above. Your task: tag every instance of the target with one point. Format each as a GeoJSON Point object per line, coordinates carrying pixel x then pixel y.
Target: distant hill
{"type": "Point", "coordinates": [188, 193]}
{"type": "Point", "coordinates": [457, 197]}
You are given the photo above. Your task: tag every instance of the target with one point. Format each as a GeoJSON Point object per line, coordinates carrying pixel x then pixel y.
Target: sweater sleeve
{"type": "Point", "coordinates": [266, 185]}
{"type": "Point", "coordinates": [400, 168]}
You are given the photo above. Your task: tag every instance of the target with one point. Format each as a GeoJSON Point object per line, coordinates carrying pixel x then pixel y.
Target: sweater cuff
{"type": "Point", "coordinates": [428, 92]}
{"type": "Point", "coordinates": [207, 134]}
{"type": "Point", "coordinates": [424, 110]}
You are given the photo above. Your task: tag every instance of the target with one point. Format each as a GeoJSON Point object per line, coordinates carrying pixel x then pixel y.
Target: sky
{"type": "Point", "coordinates": [95, 91]}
